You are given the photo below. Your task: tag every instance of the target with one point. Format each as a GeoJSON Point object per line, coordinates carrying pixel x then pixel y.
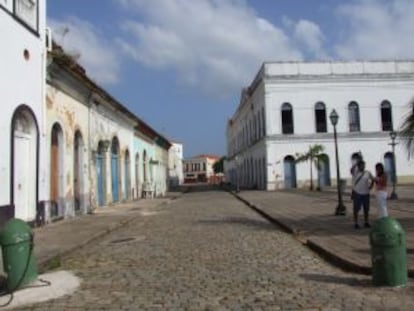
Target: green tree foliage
{"type": "Point", "coordinates": [218, 166]}
{"type": "Point", "coordinates": [407, 133]}
{"type": "Point", "coordinates": [313, 155]}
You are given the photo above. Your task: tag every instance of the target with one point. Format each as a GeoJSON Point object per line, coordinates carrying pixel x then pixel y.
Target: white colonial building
{"type": "Point", "coordinates": [22, 89]}
{"type": "Point", "coordinates": [175, 164]}
{"type": "Point", "coordinates": [286, 110]}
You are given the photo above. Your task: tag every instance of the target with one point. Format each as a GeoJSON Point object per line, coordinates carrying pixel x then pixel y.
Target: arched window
{"type": "Point", "coordinates": [287, 118]}
{"type": "Point", "coordinates": [386, 116]}
{"type": "Point", "coordinates": [320, 117]}
{"type": "Point", "coordinates": [353, 113]}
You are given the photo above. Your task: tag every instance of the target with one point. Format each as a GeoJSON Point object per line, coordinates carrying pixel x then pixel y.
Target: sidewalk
{"type": "Point", "coordinates": [309, 216]}
{"type": "Point", "coordinates": [59, 238]}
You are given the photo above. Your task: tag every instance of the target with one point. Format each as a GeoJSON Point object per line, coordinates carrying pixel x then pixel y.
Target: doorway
{"type": "Point", "coordinates": [56, 171]}
{"type": "Point", "coordinates": [78, 182]}
{"type": "Point", "coordinates": [290, 172]}
{"type": "Point", "coordinates": [25, 158]}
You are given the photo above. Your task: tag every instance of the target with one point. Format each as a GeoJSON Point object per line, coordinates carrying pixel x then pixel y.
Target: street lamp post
{"type": "Point", "coordinates": [340, 209]}
{"type": "Point", "coordinates": [393, 195]}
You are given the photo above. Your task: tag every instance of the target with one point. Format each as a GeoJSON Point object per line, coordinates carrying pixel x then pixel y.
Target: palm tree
{"type": "Point", "coordinates": [407, 133]}
{"type": "Point", "coordinates": [313, 156]}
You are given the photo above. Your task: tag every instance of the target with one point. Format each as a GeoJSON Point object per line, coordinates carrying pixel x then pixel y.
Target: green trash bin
{"type": "Point", "coordinates": [16, 240]}
{"type": "Point", "coordinates": [388, 253]}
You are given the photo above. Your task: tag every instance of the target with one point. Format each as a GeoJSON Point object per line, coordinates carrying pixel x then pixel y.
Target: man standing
{"type": "Point", "coordinates": [362, 184]}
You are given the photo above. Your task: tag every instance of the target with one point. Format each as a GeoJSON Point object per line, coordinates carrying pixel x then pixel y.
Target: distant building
{"type": "Point", "coordinates": [199, 169]}
{"type": "Point", "coordinates": [175, 164]}
{"type": "Point", "coordinates": [286, 109]}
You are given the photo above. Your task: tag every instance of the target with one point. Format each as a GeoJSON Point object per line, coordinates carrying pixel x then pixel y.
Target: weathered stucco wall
{"type": "Point", "coordinates": [71, 116]}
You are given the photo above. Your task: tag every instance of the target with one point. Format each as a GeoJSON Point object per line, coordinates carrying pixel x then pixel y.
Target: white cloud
{"type": "Point", "coordinates": [377, 29]}
{"type": "Point", "coordinates": [312, 37]}
{"type": "Point", "coordinates": [308, 36]}
{"type": "Point", "coordinates": [94, 52]}
{"type": "Point", "coordinates": [216, 45]}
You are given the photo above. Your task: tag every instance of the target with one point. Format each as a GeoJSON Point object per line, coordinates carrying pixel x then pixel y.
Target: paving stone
{"type": "Point", "coordinates": [208, 251]}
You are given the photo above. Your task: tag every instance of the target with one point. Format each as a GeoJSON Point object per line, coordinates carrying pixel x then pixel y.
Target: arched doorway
{"type": "Point", "coordinates": [78, 182]}
{"type": "Point", "coordinates": [290, 172]}
{"type": "Point", "coordinates": [115, 169]}
{"type": "Point", "coordinates": [137, 186]}
{"type": "Point", "coordinates": [324, 174]}
{"type": "Point", "coordinates": [144, 166]}
{"type": "Point", "coordinates": [100, 173]}
{"type": "Point", "coordinates": [127, 167]}
{"type": "Point", "coordinates": [389, 166]}
{"type": "Point", "coordinates": [151, 170]}
{"type": "Point", "coordinates": [24, 173]}
{"type": "Point", "coordinates": [56, 171]}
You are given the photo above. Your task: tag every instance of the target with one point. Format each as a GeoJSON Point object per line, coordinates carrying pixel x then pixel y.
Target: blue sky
{"type": "Point", "coordinates": [180, 64]}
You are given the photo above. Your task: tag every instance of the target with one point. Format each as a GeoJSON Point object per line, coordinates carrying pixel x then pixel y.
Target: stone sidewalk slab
{"type": "Point", "coordinates": [309, 216]}
{"type": "Point", "coordinates": [62, 237]}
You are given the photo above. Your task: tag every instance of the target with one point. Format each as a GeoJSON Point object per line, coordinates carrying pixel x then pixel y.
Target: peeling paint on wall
{"type": "Point", "coordinates": [49, 102]}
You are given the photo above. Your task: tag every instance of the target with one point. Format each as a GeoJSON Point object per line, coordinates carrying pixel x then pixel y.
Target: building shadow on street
{"type": "Point", "coordinates": [198, 187]}
{"type": "Point", "coordinates": [333, 279]}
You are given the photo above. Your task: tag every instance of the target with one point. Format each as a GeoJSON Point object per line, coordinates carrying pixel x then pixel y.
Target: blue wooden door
{"type": "Point", "coordinates": [114, 170]}
{"type": "Point", "coordinates": [99, 173]}
{"type": "Point", "coordinates": [324, 174]}
{"type": "Point", "coordinates": [290, 172]}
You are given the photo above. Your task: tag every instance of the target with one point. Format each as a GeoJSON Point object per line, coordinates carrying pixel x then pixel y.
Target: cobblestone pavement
{"type": "Point", "coordinates": [208, 251]}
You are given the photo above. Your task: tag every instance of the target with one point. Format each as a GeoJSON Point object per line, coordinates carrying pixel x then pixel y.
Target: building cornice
{"type": "Point", "coordinates": [315, 79]}
{"type": "Point", "coordinates": [328, 136]}
{"type": "Point", "coordinates": [332, 68]}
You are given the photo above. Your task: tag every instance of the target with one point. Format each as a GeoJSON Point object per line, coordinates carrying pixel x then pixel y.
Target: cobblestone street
{"type": "Point", "coordinates": [208, 251]}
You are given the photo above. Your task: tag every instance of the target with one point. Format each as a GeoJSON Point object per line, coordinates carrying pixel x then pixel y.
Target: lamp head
{"type": "Point", "coordinates": [393, 135]}
{"type": "Point", "coordinates": [334, 117]}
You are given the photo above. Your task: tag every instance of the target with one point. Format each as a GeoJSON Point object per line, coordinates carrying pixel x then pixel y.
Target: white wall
{"type": "Point", "coordinates": [22, 82]}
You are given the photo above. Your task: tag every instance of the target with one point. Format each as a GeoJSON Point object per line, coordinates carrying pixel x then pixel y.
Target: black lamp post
{"type": "Point", "coordinates": [340, 209]}
{"type": "Point", "coordinates": [393, 195]}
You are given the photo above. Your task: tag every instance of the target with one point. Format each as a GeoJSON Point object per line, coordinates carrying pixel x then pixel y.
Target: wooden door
{"type": "Point", "coordinates": [22, 178]}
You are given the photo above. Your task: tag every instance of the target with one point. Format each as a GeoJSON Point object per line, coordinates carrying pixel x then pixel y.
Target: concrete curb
{"type": "Point", "coordinates": [326, 254]}
{"type": "Point", "coordinates": [46, 262]}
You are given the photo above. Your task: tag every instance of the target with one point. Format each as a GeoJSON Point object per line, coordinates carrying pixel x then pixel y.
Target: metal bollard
{"type": "Point", "coordinates": [388, 253]}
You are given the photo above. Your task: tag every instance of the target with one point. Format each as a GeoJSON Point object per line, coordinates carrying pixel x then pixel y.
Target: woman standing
{"type": "Point", "coordinates": [381, 188]}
